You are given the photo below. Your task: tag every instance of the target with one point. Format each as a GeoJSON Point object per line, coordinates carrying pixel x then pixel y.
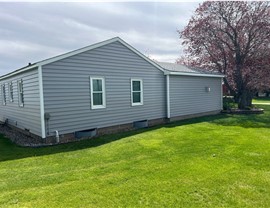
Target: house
{"type": "Point", "coordinates": [103, 88]}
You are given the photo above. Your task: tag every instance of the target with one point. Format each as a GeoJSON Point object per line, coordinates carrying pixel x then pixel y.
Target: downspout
{"type": "Point", "coordinates": [41, 100]}
{"type": "Point", "coordinates": [57, 136]}
{"type": "Point", "coordinates": [168, 96]}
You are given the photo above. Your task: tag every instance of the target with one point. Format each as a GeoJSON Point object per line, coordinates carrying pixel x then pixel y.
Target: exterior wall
{"type": "Point", "coordinates": [188, 95]}
{"type": "Point", "coordinates": [66, 89]}
{"type": "Point", "coordinates": [28, 116]}
{"type": "Point", "coordinates": [196, 115]}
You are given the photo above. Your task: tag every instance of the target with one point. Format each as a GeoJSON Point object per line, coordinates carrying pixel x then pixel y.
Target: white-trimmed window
{"type": "Point", "coordinates": [97, 85]}
{"type": "Point", "coordinates": [10, 90]}
{"type": "Point", "coordinates": [3, 90]}
{"type": "Point", "coordinates": [20, 93]}
{"type": "Point", "coordinates": [136, 92]}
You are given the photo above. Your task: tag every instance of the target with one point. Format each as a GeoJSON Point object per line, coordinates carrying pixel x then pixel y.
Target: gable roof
{"type": "Point", "coordinates": [78, 51]}
{"type": "Point", "coordinates": [164, 67]}
{"type": "Point", "coordinates": [179, 69]}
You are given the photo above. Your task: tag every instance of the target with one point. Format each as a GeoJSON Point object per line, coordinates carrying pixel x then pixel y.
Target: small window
{"type": "Point", "coordinates": [136, 92]}
{"type": "Point", "coordinates": [97, 93]}
{"type": "Point", "coordinates": [10, 89]}
{"type": "Point", "coordinates": [3, 89]}
{"type": "Point", "coordinates": [20, 93]}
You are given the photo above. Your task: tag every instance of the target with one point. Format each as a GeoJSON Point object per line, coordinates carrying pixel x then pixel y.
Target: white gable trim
{"type": "Point", "coordinates": [97, 45]}
{"type": "Point", "coordinates": [78, 51]}
{"type": "Point", "coordinates": [88, 48]}
{"type": "Point", "coordinates": [141, 55]}
{"type": "Point", "coordinates": [18, 71]}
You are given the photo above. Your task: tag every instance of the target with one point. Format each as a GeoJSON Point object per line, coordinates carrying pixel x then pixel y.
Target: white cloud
{"type": "Point", "coordinates": [34, 31]}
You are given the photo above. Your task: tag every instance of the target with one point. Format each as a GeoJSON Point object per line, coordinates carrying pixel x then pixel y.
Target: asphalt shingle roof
{"type": "Point", "coordinates": [173, 67]}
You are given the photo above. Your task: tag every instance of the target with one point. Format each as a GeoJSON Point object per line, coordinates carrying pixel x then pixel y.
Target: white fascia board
{"type": "Point", "coordinates": [166, 72]}
{"type": "Point", "coordinates": [97, 45]}
{"type": "Point", "coordinates": [141, 55]}
{"type": "Point", "coordinates": [18, 71]}
{"type": "Point", "coordinates": [194, 74]}
{"type": "Point", "coordinates": [60, 57]}
{"type": "Point", "coordinates": [72, 53]}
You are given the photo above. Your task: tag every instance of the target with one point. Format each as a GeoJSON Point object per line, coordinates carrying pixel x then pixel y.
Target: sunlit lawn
{"type": "Point", "coordinates": [261, 100]}
{"type": "Point", "coordinates": [216, 161]}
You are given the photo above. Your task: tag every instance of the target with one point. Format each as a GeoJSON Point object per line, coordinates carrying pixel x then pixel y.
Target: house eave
{"type": "Point", "coordinates": [193, 74]}
{"type": "Point", "coordinates": [19, 71]}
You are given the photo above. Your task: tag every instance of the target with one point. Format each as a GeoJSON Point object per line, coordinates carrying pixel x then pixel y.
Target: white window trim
{"type": "Point", "coordinates": [103, 93]}
{"type": "Point", "coordinates": [4, 96]}
{"type": "Point", "coordinates": [10, 86]}
{"type": "Point", "coordinates": [141, 91]}
{"type": "Point", "coordinates": [21, 102]}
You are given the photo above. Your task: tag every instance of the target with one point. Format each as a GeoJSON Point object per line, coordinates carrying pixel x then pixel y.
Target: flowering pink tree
{"type": "Point", "coordinates": [233, 38]}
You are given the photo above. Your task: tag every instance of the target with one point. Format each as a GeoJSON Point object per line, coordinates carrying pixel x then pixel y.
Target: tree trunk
{"type": "Point", "coordinates": [245, 100]}
{"type": "Point", "coordinates": [249, 99]}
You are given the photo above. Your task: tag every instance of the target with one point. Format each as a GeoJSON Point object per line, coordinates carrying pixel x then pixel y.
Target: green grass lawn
{"type": "Point", "coordinates": [216, 161]}
{"type": "Point", "coordinates": [261, 100]}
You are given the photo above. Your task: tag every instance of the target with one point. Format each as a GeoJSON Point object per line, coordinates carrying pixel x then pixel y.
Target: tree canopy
{"type": "Point", "coordinates": [233, 38]}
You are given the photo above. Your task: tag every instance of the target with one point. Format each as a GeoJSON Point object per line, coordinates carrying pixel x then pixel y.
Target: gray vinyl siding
{"type": "Point", "coordinates": [188, 95]}
{"type": "Point", "coordinates": [66, 88]}
{"type": "Point", "coordinates": [28, 116]}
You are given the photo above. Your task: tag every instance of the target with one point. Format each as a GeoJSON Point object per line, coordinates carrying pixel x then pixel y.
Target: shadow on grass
{"type": "Point", "coordinates": [247, 121]}
{"type": "Point", "coordinates": [244, 121]}
{"type": "Point", "coordinates": [10, 151]}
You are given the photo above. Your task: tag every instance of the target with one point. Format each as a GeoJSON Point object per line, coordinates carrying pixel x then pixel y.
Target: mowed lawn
{"type": "Point", "coordinates": [215, 161]}
{"type": "Point", "coordinates": [262, 100]}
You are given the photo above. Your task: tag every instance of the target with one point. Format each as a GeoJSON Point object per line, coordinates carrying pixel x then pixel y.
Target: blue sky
{"type": "Point", "coordinates": [30, 32]}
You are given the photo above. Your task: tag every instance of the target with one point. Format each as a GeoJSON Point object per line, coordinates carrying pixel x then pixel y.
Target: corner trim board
{"type": "Point", "coordinates": [42, 121]}
{"type": "Point", "coordinates": [221, 95]}
{"type": "Point", "coordinates": [168, 96]}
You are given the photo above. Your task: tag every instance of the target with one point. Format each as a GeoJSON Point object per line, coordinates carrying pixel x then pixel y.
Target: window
{"type": "Point", "coordinates": [136, 92]}
{"type": "Point", "coordinates": [3, 88]}
{"type": "Point", "coordinates": [97, 93]}
{"type": "Point", "coordinates": [10, 89]}
{"type": "Point", "coordinates": [20, 93]}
